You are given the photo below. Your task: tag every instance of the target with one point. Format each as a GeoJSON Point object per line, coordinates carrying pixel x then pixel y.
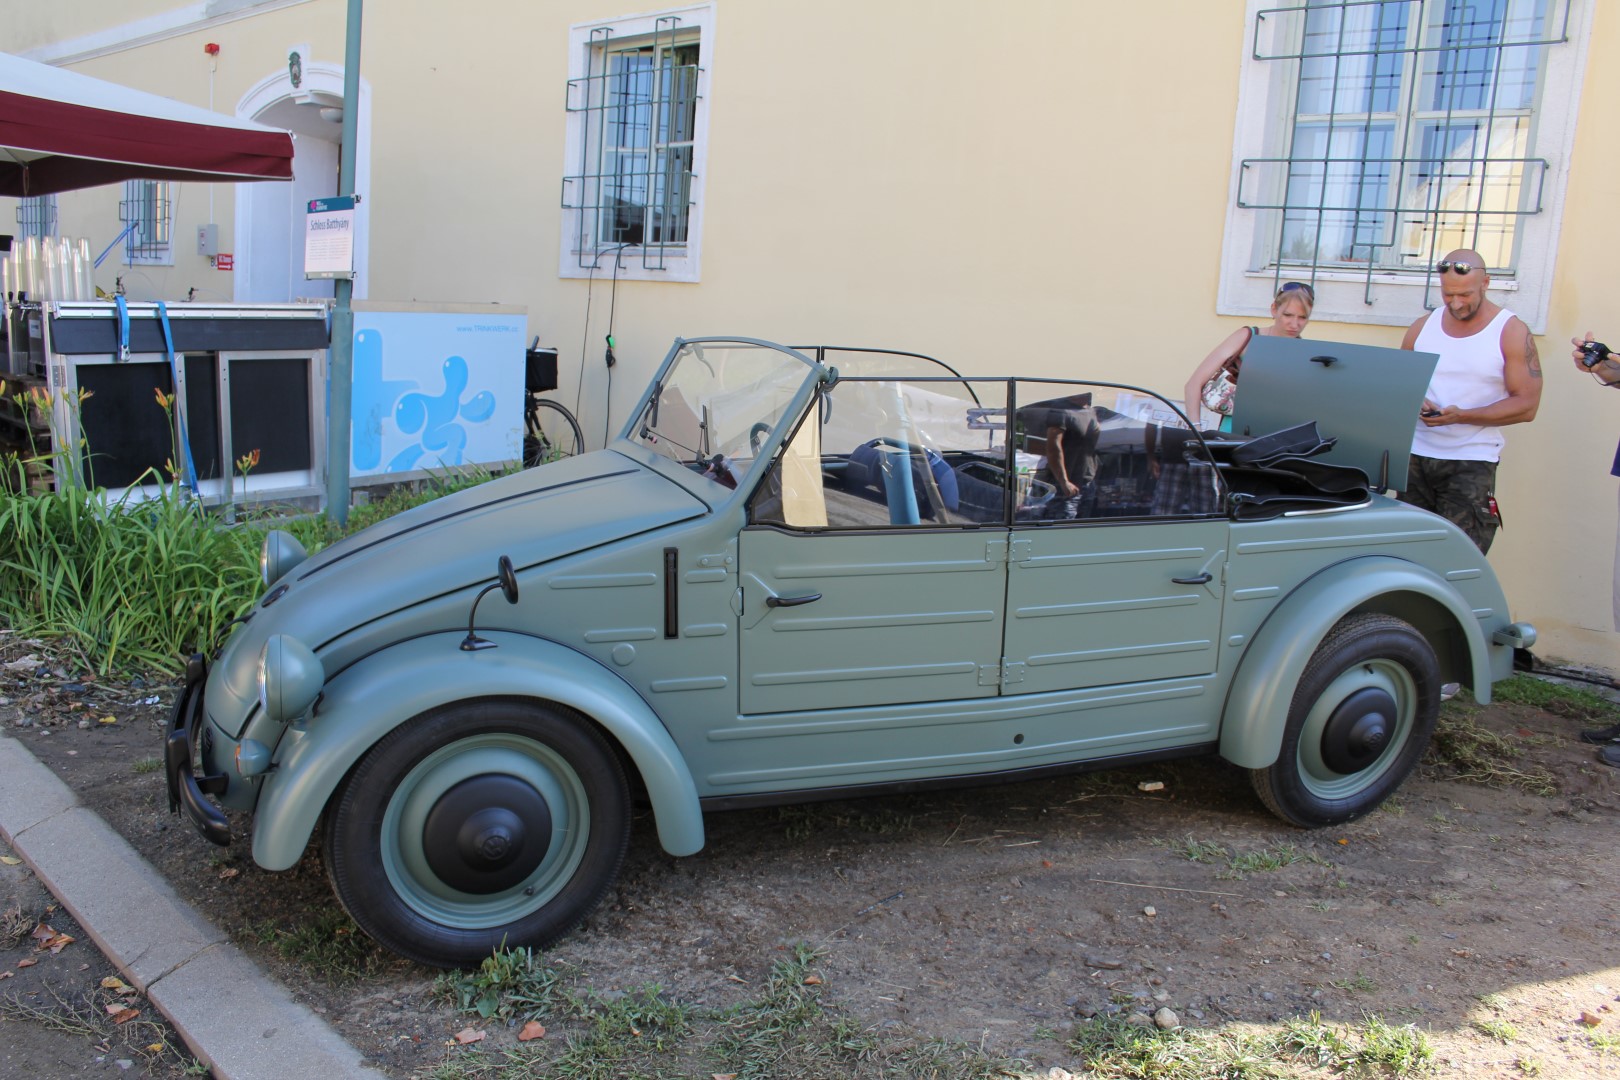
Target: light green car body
{"type": "Point", "coordinates": [934, 654]}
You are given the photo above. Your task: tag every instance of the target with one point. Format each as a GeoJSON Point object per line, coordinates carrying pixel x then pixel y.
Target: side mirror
{"type": "Point", "coordinates": [506, 581]}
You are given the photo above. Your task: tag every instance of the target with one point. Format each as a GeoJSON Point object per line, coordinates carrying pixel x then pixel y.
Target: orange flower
{"type": "Point", "coordinates": [165, 401]}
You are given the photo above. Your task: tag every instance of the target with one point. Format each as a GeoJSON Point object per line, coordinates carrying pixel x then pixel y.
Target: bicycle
{"type": "Point", "coordinates": [550, 431]}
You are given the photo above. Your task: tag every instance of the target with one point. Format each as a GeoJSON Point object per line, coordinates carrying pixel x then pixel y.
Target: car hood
{"type": "Point", "coordinates": [449, 545]}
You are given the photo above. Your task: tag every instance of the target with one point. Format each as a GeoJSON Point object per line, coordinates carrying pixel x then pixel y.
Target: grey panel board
{"type": "Point", "coordinates": [1365, 396]}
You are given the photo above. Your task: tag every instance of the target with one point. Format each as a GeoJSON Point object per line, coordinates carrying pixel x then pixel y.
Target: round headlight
{"type": "Point", "coordinates": [279, 555]}
{"type": "Point", "coordinates": [290, 678]}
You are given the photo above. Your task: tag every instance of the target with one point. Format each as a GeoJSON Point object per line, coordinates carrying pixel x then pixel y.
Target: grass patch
{"type": "Point", "coordinates": [1113, 1048]}
{"type": "Point", "coordinates": [1267, 861]}
{"type": "Point", "coordinates": [646, 1033]}
{"type": "Point", "coordinates": [1500, 1030]}
{"type": "Point", "coordinates": [1466, 751]}
{"type": "Point", "coordinates": [1361, 984]}
{"type": "Point", "coordinates": [329, 942]}
{"type": "Point", "coordinates": [1556, 698]}
{"type": "Point", "coordinates": [510, 983]}
{"type": "Point", "coordinates": [148, 765]}
{"type": "Point", "coordinates": [1193, 850]}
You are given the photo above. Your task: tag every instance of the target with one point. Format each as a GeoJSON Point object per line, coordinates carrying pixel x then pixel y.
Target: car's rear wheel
{"type": "Point", "coordinates": [477, 825]}
{"type": "Point", "coordinates": [1360, 721]}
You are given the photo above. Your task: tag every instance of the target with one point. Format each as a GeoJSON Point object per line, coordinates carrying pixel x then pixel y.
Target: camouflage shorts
{"type": "Point", "coordinates": [1462, 492]}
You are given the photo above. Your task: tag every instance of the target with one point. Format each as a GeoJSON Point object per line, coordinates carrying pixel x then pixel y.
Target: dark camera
{"type": "Point", "coordinates": [1593, 353]}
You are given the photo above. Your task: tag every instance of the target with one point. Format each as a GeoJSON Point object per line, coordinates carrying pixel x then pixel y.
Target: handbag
{"type": "Point", "coordinates": [1218, 390]}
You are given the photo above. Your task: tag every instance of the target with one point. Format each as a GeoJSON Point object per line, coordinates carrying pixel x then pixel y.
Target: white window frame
{"type": "Point", "coordinates": [158, 252]}
{"type": "Point", "coordinates": [679, 263]}
{"type": "Point", "coordinates": [1264, 118]}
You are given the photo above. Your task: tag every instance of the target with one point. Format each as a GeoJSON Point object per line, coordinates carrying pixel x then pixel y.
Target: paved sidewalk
{"type": "Point", "coordinates": [233, 1016]}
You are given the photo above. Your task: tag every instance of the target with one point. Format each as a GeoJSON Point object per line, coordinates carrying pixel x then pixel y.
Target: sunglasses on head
{"type": "Point", "coordinates": [1297, 286]}
{"type": "Point", "coordinates": [1456, 267]}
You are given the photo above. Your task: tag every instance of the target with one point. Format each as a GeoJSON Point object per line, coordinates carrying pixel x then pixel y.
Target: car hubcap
{"type": "Point", "coordinates": [1358, 730]}
{"type": "Point", "coordinates": [485, 830]}
{"type": "Point", "coordinates": [487, 834]}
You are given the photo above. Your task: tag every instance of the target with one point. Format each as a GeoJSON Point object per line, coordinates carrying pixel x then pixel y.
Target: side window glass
{"type": "Point", "coordinates": [894, 453]}
{"type": "Point", "coordinates": [1085, 453]}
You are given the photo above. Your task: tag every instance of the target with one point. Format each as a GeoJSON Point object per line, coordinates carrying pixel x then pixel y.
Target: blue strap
{"type": "Point", "coordinates": [187, 470]}
{"type": "Point", "coordinates": [123, 328]}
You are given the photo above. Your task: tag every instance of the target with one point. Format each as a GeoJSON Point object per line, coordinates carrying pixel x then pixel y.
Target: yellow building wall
{"type": "Point", "coordinates": [1037, 188]}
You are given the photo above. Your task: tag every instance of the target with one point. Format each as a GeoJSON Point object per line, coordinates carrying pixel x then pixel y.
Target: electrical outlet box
{"type": "Point", "coordinates": [208, 239]}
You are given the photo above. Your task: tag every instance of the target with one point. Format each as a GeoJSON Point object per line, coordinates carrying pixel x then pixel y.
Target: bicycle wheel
{"type": "Point", "coordinates": [550, 432]}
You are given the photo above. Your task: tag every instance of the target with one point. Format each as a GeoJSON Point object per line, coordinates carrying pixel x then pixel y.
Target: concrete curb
{"type": "Point", "coordinates": [233, 1016]}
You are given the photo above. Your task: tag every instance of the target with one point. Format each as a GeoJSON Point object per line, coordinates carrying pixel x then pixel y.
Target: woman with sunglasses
{"type": "Point", "coordinates": [1214, 382]}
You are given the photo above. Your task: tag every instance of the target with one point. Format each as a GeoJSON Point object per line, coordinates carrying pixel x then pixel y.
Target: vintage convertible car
{"type": "Point", "coordinates": [810, 573]}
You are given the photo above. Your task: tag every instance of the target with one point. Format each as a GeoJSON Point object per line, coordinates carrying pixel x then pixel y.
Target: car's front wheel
{"type": "Point", "coordinates": [1360, 721]}
{"type": "Point", "coordinates": [477, 825]}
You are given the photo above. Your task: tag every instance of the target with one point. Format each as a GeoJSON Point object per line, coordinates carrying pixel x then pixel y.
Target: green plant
{"type": "Point", "coordinates": [330, 941]}
{"type": "Point", "coordinates": [509, 983]}
{"type": "Point", "coordinates": [1605, 1044]}
{"type": "Point", "coordinates": [1500, 1030]}
{"type": "Point", "coordinates": [1361, 984]}
{"type": "Point", "coordinates": [1269, 859]}
{"type": "Point", "coordinates": [1401, 1051]}
{"type": "Point", "coordinates": [137, 582]}
{"type": "Point", "coordinates": [1201, 851]}
{"type": "Point", "coordinates": [1555, 698]}
{"type": "Point", "coordinates": [147, 765]}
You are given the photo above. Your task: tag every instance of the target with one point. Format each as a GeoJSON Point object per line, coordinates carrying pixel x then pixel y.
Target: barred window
{"type": "Point", "coordinates": [147, 211]}
{"type": "Point", "coordinates": [636, 121]}
{"type": "Point", "coordinates": [1398, 130]}
{"type": "Point", "coordinates": [36, 216]}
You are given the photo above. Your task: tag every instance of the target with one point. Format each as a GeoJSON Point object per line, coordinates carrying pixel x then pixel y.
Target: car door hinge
{"type": "Point", "coordinates": [1001, 674]}
{"type": "Point", "coordinates": [1021, 549]}
{"type": "Point", "coordinates": [995, 552]}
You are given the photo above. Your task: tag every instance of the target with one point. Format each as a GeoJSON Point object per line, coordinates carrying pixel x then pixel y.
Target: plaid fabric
{"type": "Point", "coordinates": [1185, 489]}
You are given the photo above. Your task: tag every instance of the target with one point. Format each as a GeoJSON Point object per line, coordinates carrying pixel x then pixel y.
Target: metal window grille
{"type": "Point", "coordinates": [1412, 132]}
{"type": "Point", "coordinates": [149, 210]}
{"type": "Point", "coordinates": [638, 101]}
{"type": "Point", "coordinates": [36, 216]}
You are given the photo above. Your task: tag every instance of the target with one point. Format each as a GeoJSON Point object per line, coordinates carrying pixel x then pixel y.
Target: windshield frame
{"type": "Point", "coordinates": [631, 438]}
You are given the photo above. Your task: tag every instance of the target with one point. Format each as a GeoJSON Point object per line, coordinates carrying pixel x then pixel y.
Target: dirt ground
{"type": "Point", "coordinates": [1001, 917]}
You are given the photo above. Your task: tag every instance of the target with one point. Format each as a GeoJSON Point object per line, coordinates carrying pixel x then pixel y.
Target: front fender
{"type": "Point", "coordinates": [382, 691]}
{"type": "Point", "coordinates": [1263, 688]}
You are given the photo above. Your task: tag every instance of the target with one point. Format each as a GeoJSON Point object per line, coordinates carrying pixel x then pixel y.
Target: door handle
{"type": "Point", "coordinates": [791, 601]}
{"type": "Point", "coordinates": [1200, 579]}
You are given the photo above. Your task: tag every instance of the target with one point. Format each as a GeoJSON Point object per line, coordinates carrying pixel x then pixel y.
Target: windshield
{"type": "Point", "coordinates": [717, 404]}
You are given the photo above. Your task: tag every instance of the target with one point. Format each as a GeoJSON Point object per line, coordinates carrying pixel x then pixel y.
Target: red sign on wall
{"type": "Point", "coordinates": [224, 262]}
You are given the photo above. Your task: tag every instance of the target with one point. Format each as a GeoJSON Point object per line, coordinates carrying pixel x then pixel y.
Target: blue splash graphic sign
{"type": "Point", "coordinates": [435, 390]}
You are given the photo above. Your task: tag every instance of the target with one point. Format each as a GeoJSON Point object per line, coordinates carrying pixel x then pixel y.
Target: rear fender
{"type": "Point", "coordinates": [382, 691]}
{"type": "Point", "coordinates": [1263, 689]}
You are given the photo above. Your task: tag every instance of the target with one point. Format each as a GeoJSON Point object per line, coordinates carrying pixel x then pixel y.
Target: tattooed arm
{"type": "Point", "coordinates": [1521, 372]}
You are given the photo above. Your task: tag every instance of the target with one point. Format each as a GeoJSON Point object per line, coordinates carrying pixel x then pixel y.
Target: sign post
{"type": "Point", "coordinates": [329, 238]}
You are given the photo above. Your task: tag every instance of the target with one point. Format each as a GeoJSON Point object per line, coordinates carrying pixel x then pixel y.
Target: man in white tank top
{"type": "Point", "coordinates": [1489, 376]}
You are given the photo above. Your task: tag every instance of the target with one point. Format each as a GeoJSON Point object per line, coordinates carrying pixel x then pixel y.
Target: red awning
{"type": "Point", "coordinates": [60, 130]}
